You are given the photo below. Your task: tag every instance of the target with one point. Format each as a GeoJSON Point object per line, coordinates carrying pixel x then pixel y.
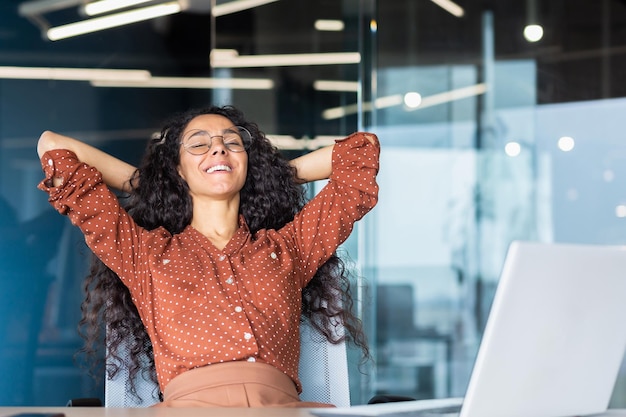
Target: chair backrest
{"type": "Point", "coordinates": [323, 372]}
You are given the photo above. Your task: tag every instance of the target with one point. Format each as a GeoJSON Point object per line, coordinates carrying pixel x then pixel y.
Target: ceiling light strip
{"type": "Point", "coordinates": [191, 82]}
{"type": "Point", "coordinates": [114, 20]}
{"type": "Point", "coordinates": [341, 86]}
{"type": "Point", "coordinates": [36, 7]}
{"type": "Point", "coordinates": [72, 74]}
{"type": "Point", "coordinates": [343, 111]}
{"type": "Point", "coordinates": [292, 143]}
{"type": "Point", "coordinates": [452, 95]}
{"type": "Point", "coordinates": [327, 25]}
{"type": "Point", "coordinates": [398, 99]}
{"type": "Point", "coordinates": [253, 61]}
{"type": "Point", "coordinates": [237, 6]}
{"type": "Point", "coordinates": [100, 77]}
{"type": "Point", "coordinates": [450, 7]}
{"type": "Point", "coordinates": [106, 6]}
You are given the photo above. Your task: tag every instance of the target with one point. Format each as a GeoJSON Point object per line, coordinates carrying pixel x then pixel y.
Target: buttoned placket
{"type": "Point", "coordinates": [247, 336]}
{"type": "Point", "coordinates": [225, 266]}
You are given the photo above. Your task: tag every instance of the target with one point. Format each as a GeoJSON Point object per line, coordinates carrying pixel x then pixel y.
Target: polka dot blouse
{"type": "Point", "coordinates": [202, 305]}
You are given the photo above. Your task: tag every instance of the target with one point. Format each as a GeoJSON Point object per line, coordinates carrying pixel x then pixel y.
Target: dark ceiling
{"type": "Point", "coordinates": [581, 57]}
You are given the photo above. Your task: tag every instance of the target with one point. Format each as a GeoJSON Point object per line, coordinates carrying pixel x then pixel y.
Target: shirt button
{"type": "Point", "coordinates": [222, 257]}
{"type": "Point", "coordinates": [251, 359]}
{"type": "Point", "coordinates": [238, 309]}
{"type": "Point", "coordinates": [247, 336]}
{"type": "Point", "coordinates": [50, 162]}
{"type": "Point", "coordinates": [273, 255]}
{"type": "Point", "coordinates": [230, 280]}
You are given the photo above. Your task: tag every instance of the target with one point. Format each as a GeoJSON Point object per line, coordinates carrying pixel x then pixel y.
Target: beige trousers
{"type": "Point", "coordinates": [233, 384]}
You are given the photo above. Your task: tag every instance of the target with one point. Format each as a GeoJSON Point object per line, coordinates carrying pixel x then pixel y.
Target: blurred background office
{"type": "Point", "coordinates": [499, 120]}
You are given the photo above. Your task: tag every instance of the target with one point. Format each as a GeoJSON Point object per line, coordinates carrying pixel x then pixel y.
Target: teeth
{"type": "Point", "coordinates": [219, 168]}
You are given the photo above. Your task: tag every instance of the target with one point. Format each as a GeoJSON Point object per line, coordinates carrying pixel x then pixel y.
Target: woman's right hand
{"type": "Point", "coordinates": [115, 172]}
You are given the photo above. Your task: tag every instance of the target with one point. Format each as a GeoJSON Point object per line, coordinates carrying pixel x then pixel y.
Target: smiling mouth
{"type": "Point", "coordinates": [221, 168]}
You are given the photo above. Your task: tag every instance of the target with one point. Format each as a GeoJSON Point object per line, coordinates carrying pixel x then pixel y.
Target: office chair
{"type": "Point", "coordinates": [323, 372]}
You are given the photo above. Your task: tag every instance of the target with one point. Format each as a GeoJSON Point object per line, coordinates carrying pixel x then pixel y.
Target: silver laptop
{"type": "Point", "coordinates": [553, 343]}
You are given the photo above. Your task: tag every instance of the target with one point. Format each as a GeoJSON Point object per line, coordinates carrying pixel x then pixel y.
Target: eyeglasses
{"type": "Point", "coordinates": [235, 139]}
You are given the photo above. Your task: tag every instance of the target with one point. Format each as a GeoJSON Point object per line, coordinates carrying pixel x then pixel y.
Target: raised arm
{"type": "Point", "coordinates": [115, 172]}
{"type": "Point", "coordinates": [316, 165]}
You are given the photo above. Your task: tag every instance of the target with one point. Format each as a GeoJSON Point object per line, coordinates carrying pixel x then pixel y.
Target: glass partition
{"type": "Point", "coordinates": [488, 137]}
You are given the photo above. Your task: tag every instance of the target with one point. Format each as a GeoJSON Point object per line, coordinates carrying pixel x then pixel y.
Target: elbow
{"type": "Point", "coordinates": [47, 141]}
{"type": "Point", "coordinates": [373, 198]}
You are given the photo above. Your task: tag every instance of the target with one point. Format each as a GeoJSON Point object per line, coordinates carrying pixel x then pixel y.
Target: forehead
{"type": "Point", "coordinates": [209, 122]}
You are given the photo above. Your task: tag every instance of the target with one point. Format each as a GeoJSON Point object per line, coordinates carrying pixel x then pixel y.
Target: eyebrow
{"type": "Point", "coordinates": [225, 130]}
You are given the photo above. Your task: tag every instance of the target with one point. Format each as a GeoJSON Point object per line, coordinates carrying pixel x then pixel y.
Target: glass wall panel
{"type": "Point", "coordinates": [488, 138]}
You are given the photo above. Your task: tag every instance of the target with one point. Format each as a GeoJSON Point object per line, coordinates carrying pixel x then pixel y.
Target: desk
{"type": "Point", "coordinates": [160, 412]}
{"type": "Point", "coordinates": [189, 412]}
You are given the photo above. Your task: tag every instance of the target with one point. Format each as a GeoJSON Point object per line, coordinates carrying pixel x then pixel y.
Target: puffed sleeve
{"type": "Point", "coordinates": [78, 179]}
{"type": "Point", "coordinates": [327, 220]}
{"type": "Point", "coordinates": [109, 231]}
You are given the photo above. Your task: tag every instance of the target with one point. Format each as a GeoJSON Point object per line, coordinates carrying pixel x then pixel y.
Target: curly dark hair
{"type": "Point", "coordinates": [270, 198]}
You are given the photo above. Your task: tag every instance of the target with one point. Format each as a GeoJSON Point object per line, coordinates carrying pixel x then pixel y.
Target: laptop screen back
{"type": "Point", "coordinates": [556, 333]}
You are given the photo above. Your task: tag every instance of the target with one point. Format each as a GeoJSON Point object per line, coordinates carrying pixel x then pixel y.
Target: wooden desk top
{"type": "Point", "coordinates": [156, 412]}
{"type": "Point", "coordinates": [183, 412]}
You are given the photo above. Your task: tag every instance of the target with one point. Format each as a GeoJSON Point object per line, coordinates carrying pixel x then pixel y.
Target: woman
{"type": "Point", "coordinates": [216, 252]}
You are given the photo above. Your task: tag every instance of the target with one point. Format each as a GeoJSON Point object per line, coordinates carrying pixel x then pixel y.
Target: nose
{"type": "Point", "coordinates": [217, 146]}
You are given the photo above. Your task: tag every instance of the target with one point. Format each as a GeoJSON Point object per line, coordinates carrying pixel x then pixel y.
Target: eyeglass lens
{"type": "Point", "coordinates": [198, 142]}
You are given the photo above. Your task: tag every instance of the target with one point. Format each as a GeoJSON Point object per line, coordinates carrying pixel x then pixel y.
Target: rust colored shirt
{"type": "Point", "coordinates": [201, 305]}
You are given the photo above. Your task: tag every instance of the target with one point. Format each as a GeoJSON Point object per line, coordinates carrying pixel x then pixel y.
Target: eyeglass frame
{"type": "Point", "coordinates": [209, 145]}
